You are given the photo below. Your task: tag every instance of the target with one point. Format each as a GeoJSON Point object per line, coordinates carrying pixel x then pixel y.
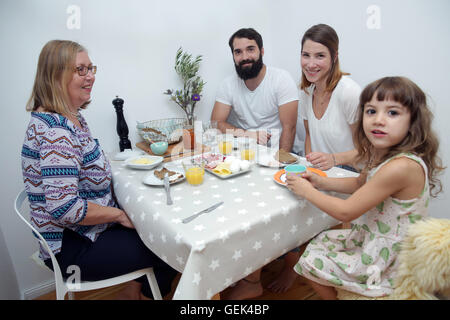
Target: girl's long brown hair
{"type": "Point", "coordinates": [420, 140]}
{"type": "Point", "coordinates": [327, 36]}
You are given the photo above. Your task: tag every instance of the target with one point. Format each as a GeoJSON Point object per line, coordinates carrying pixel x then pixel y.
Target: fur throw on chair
{"type": "Point", "coordinates": [424, 261]}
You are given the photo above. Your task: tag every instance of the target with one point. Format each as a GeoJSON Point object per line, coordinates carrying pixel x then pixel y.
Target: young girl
{"type": "Point", "coordinates": [395, 140]}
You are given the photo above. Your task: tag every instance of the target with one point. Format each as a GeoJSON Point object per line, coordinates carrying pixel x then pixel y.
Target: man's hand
{"type": "Point", "coordinates": [261, 136]}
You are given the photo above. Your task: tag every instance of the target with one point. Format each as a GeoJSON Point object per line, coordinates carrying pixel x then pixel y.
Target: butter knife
{"type": "Point", "coordinates": [167, 188]}
{"type": "Point", "coordinates": [190, 218]}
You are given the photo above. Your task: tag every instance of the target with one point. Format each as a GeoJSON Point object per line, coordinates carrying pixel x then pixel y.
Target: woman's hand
{"type": "Point", "coordinates": [125, 221]}
{"type": "Point", "coordinates": [321, 160]}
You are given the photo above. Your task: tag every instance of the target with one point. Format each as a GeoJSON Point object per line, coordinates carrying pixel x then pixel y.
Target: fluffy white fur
{"type": "Point", "coordinates": [423, 264]}
{"type": "Point", "coordinates": [424, 261]}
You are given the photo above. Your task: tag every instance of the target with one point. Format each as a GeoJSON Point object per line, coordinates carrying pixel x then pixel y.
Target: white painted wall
{"type": "Point", "coordinates": [134, 43]}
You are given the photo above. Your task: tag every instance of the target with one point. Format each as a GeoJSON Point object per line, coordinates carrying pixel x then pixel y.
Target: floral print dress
{"type": "Point", "coordinates": [363, 259]}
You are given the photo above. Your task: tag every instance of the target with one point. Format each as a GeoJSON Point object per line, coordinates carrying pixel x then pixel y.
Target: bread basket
{"type": "Point", "coordinates": [170, 130]}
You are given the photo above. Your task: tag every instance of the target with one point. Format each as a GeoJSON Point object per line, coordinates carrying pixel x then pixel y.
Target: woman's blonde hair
{"type": "Point", "coordinates": [327, 36]}
{"type": "Point", "coordinates": [420, 139]}
{"type": "Point", "coordinates": [55, 69]}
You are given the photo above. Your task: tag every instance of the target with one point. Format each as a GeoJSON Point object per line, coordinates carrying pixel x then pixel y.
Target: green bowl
{"type": "Point", "coordinates": [159, 148]}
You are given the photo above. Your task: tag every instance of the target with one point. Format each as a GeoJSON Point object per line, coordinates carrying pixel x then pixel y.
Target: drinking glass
{"type": "Point", "coordinates": [210, 133]}
{"type": "Point", "coordinates": [225, 144]}
{"type": "Point", "coordinates": [247, 148]}
{"type": "Point", "coordinates": [194, 172]}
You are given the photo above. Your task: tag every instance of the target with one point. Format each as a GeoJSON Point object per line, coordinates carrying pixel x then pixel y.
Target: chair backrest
{"type": "Point", "coordinates": [18, 203]}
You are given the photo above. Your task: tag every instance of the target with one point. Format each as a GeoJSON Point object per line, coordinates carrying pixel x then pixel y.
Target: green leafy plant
{"type": "Point", "coordinates": [187, 68]}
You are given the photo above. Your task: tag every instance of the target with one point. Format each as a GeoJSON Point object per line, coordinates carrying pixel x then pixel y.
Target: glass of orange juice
{"type": "Point", "coordinates": [194, 172]}
{"type": "Point", "coordinates": [247, 148]}
{"type": "Point", "coordinates": [225, 144]}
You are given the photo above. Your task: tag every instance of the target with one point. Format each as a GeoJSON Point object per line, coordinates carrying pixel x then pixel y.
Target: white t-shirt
{"type": "Point", "coordinates": [257, 109]}
{"type": "Point", "coordinates": [332, 133]}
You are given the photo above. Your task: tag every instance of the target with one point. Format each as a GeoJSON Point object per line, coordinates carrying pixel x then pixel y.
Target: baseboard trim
{"type": "Point", "coordinates": [40, 290]}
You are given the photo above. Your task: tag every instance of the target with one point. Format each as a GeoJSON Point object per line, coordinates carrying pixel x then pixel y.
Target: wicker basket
{"type": "Point", "coordinates": [170, 130]}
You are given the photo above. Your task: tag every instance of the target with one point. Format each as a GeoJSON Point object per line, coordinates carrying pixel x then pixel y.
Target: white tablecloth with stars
{"type": "Point", "coordinates": [259, 221]}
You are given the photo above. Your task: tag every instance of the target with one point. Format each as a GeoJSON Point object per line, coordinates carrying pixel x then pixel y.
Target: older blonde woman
{"type": "Point", "coordinates": [68, 178]}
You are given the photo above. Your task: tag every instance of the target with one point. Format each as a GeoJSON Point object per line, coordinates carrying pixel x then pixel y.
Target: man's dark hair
{"type": "Point", "coordinates": [248, 33]}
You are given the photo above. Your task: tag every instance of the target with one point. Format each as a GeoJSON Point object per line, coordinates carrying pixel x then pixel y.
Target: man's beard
{"type": "Point", "coordinates": [246, 73]}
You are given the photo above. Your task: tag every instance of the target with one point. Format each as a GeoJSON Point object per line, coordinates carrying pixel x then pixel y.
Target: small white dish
{"type": "Point", "coordinates": [152, 180]}
{"type": "Point", "coordinates": [124, 155]}
{"type": "Point", "coordinates": [144, 162]}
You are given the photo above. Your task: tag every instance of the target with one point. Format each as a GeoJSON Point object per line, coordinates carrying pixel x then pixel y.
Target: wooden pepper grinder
{"type": "Point", "coordinates": [122, 128]}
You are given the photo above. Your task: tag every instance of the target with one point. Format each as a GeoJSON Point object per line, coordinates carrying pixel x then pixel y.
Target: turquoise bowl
{"type": "Point", "coordinates": [159, 148]}
{"type": "Point", "coordinates": [294, 170]}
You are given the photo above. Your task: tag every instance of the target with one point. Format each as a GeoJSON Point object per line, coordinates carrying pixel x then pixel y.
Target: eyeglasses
{"type": "Point", "coordinates": [83, 70]}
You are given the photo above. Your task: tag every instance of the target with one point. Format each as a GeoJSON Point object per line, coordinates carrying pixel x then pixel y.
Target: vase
{"type": "Point", "coordinates": [188, 133]}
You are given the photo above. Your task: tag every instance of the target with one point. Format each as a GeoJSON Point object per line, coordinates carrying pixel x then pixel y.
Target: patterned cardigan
{"type": "Point", "coordinates": [63, 167]}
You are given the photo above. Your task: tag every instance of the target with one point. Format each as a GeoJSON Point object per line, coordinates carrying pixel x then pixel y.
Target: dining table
{"type": "Point", "coordinates": [258, 221]}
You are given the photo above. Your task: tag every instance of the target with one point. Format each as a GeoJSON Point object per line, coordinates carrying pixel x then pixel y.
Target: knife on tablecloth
{"type": "Point", "coordinates": [190, 218]}
{"type": "Point", "coordinates": [167, 188]}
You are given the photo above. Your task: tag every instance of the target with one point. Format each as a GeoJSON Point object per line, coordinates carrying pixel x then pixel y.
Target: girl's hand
{"type": "Point", "coordinates": [321, 160]}
{"type": "Point", "coordinates": [125, 221]}
{"type": "Point", "coordinates": [299, 186]}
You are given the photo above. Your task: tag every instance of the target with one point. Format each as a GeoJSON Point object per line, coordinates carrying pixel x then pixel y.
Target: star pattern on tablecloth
{"type": "Point", "coordinates": [245, 226]}
{"type": "Point", "coordinates": [221, 219]}
{"type": "Point", "coordinates": [266, 218]}
{"type": "Point", "coordinates": [276, 236]}
{"type": "Point", "coordinates": [237, 255]}
{"type": "Point", "coordinates": [199, 227]}
{"type": "Point", "coordinates": [223, 235]}
{"type": "Point", "coordinates": [214, 264]}
{"type": "Point", "coordinates": [257, 245]}
{"type": "Point", "coordinates": [180, 260]}
{"type": "Point", "coordinates": [261, 204]}
{"type": "Point", "coordinates": [269, 200]}
{"type": "Point", "coordinates": [197, 278]}
{"type": "Point", "coordinates": [178, 238]}
{"type": "Point", "coordinates": [242, 211]}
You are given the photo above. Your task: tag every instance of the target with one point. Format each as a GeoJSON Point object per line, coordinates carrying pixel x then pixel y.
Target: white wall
{"type": "Point", "coordinates": [134, 42]}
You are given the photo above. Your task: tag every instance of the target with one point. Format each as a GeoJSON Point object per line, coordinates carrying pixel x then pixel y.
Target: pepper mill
{"type": "Point", "coordinates": [122, 128]}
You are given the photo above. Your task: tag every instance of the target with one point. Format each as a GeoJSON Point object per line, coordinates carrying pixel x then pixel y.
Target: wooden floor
{"type": "Point", "coordinates": [299, 291]}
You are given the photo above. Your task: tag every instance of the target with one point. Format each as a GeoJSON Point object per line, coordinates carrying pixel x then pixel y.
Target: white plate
{"type": "Point", "coordinates": [268, 160]}
{"type": "Point", "coordinates": [155, 160]}
{"type": "Point", "coordinates": [229, 175]}
{"type": "Point", "coordinates": [152, 180]}
{"type": "Point", "coordinates": [124, 155]}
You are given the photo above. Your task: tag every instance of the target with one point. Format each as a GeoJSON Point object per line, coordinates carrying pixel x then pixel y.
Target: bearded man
{"type": "Point", "coordinates": [258, 100]}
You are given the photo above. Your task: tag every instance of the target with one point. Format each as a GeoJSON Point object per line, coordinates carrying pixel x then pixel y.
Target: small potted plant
{"type": "Point", "coordinates": [187, 68]}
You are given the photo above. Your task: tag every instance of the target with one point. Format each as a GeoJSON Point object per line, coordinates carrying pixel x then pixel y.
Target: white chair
{"type": "Point", "coordinates": [63, 287]}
